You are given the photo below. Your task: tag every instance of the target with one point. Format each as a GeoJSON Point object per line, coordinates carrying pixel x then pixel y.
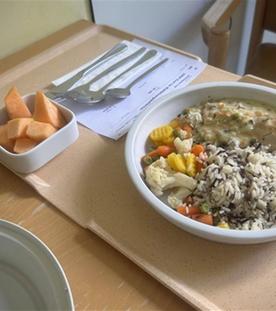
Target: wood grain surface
{"type": "Point", "coordinates": [100, 277]}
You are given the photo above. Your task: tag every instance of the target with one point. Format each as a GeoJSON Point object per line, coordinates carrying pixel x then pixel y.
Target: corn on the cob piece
{"type": "Point", "coordinates": [190, 160]}
{"type": "Point", "coordinates": [223, 225]}
{"type": "Point", "coordinates": [176, 162]}
{"type": "Point", "coordinates": [162, 135]}
{"type": "Point", "coordinates": [174, 123]}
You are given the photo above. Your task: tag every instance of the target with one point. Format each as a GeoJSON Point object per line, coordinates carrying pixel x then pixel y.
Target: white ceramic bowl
{"type": "Point", "coordinates": [161, 112]}
{"type": "Point", "coordinates": [35, 158]}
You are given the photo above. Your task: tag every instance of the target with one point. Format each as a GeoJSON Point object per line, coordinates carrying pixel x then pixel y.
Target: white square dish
{"type": "Point", "coordinates": [38, 156]}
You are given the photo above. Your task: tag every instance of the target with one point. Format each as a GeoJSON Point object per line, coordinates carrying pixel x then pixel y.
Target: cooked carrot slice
{"type": "Point", "coordinates": [205, 218]}
{"type": "Point", "coordinates": [197, 149]}
{"type": "Point", "coordinates": [163, 151]}
{"type": "Point", "coordinates": [188, 211]}
{"type": "Point", "coordinates": [199, 166]}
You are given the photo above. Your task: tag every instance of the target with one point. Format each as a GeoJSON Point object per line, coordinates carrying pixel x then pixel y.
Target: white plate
{"type": "Point", "coordinates": [31, 278]}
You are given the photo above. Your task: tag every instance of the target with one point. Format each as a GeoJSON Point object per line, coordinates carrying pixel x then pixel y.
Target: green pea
{"type": "Point", "coordinates": [147, 160]}
{"type": "Point", "coordinates": [204, 208]}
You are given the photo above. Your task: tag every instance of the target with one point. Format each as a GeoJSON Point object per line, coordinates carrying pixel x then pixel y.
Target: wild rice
{"type": "Point", "coordinates": [239, 184]}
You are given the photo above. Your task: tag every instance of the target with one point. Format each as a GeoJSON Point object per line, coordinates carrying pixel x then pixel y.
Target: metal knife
{"type": "Point", "coordinates": [63, 87]}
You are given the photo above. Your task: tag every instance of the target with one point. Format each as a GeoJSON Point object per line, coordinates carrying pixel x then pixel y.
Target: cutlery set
{"type": "Point", "coordinates": [82, 94]}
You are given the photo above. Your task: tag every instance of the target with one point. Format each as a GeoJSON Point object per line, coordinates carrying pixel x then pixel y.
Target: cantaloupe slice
{"type": "Point", "coordinates": [4, 140]}
{"type": "Point", "coordinates": [17, 128]}
{"type": "Point", "coordinates": [46, 111]}
{"type": "Point", "coordinates": [24, 144]}
{"type": "Point", "coordinates": [39, 131]}
{"type": "Point", "coordinates": [15, 106]}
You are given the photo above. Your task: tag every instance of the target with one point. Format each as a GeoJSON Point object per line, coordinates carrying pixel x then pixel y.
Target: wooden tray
{"type": "Point", "coordinates": [97, 193]}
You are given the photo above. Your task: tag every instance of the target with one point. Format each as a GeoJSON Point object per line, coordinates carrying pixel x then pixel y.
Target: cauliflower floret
{"type": "Point", "coordinates": [182, 134]}
{"type": "Point", "coordinates": [175, 198]}
{"type": "Point", "coordinates": [185, 181]}
{"type": "Point", "coordinates": [160, 177]}
{"type": "Point", "coordinates": [183, 146]}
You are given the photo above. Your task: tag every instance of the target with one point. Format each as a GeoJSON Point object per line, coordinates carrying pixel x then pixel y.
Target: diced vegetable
{"type": "Point", "coordinates": [189, 200]}
{"type": "Point", "coordinates": [206, 219]}
{"type": "Point", "coordinates": [197, 149]}
{"type": "Point", "coordinates": [204, 208]}
{"type": "Point", "coordinates": [178, 132]}
{"type": "Point", "coordinates": [223, 225]}
{"type": "Point", "coordinates": [153, 153]}
{"type": "Point", "coordinates": [162, 135]}
{"type": "Point", "coordinates": [174, 123]}
{"type": "Point", "coordinates": [190, 164]}
{"type": "Point", "coordinates": [199, 166]}
{"type": "Point", "coordinates": [162, 151]}
{"type": "Point", "coordinates": [188, 211]}
{"type": "Point", "coordinates": [176, 162]}
{"type": "Point", "coordinates": [147, 160]}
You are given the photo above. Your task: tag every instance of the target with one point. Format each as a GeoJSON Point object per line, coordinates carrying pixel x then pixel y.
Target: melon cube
{"type": "Point", "coordinates": [15, 106]}
{"type": "Point", "coordinates": [24, 144]}
{"type": "Point", "coordinates": [5, 142]}
{"type": "Point", "coordinates": [46, 111]}
{"type": "Point", "coordinates": [39, 131]}
{"type": "Point", "coordinates": [17, 127]}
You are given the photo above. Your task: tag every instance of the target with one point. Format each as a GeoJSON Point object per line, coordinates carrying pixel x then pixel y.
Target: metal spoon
{"type": "Point", "coordinates": [125, 92]}
{"type": "Point", "coordinates": [92, 97]}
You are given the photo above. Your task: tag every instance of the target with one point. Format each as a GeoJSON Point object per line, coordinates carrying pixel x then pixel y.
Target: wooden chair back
{"type": "Point", "coordinates": [264, 19]}
{"type": "Point", "coordinates": [216, 30]}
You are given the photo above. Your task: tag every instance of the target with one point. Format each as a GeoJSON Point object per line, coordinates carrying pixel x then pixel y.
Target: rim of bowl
{"type": "Point", "coordinates": [189, 224]}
